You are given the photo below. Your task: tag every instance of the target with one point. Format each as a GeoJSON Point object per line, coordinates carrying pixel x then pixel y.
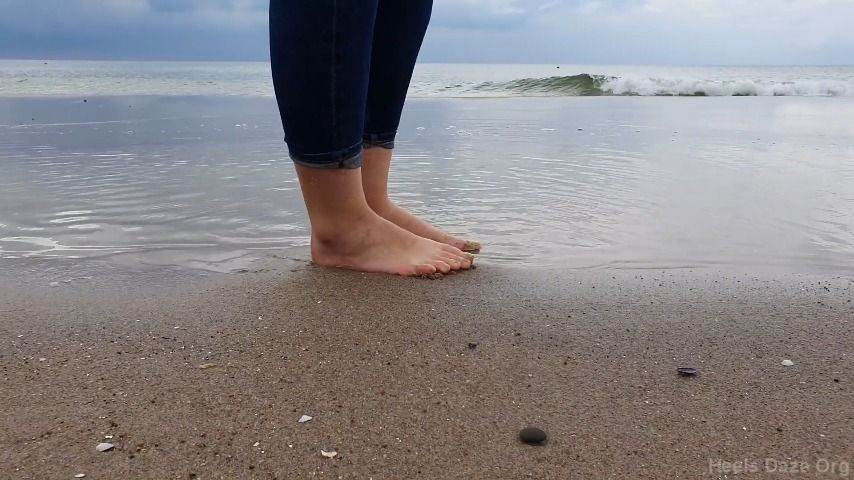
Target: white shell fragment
{"type": "Point", "coordinates": [304, 418]}
{"type": "Point", "coordinates": [104, 447]}
{"type": "Point", "coordinates": [80, 475]}
{"type": "Point", "coordinates": [328, 454]}
{"type": "Point", "coordinates": [787, 363]}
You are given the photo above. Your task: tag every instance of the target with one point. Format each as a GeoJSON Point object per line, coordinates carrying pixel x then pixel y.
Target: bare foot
{"type": "Point", "coordinates": [375, 171]}
{"type": "Point", "coordinates": [402, 218]}
{"type": "Point", "coordinates": [374, 244]}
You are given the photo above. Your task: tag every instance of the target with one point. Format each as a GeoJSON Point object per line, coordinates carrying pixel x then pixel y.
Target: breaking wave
{"type": "Point", "coordinates": [602, 85]}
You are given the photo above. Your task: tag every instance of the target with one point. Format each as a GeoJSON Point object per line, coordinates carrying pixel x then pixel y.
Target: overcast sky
{"type": "Point", "coordinates": [814, 32]}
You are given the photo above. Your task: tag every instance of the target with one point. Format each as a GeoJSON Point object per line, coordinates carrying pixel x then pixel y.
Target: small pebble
{"type": "Point", "coordinates": [472, 345]}
{"type": "Point", "coordinates": [104, 447]}
{"type": "Point", "coordinates": [304, 418]}
{"type": "Point", "coordinates": [80, 475]}
{"type": "Point", "coordinates": [207, 365]}
{"type": "Point", "coordinates": [787, 363]}
{"type": "Point", "coordinates": [328, 454]}
{"type": "Point", "coordinates": [687, 371]}
{"type": "Point", "coordinates": [532, 435]}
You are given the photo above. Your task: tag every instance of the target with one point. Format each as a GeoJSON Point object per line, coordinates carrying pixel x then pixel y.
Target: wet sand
{"type": "Point", "coordinates": [385, 367]}
{"type": "Point", "coordinates": [614, 182]}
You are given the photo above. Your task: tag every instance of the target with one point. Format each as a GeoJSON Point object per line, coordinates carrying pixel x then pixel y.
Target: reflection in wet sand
{"type": "Point", "coordinates": [575, 182]}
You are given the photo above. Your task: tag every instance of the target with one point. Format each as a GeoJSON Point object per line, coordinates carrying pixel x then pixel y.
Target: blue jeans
{"type": "Point", "coordinates": [341, 69]}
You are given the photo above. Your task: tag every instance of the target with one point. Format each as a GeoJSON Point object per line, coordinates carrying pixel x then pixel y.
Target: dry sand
{"type": "Point", "coordinates": [385, 368]}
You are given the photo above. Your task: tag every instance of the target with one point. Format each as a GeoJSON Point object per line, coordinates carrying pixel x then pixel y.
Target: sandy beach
{"type": "Point", "coordinates": [207, 377]}
{"type": "Point", "coordinates": [156, 294]}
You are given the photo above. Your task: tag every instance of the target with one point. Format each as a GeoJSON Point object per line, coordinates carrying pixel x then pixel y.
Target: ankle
{"type": "Point", "coordinates": [382, 206]}
{"type": "Point", "coordinates": [330, 231]}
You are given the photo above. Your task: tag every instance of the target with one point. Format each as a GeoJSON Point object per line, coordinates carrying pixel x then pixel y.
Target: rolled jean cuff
{"type": "Point", "coordinates": [382, 140]}
{"type": "Point", "coordinates": [350, 157]}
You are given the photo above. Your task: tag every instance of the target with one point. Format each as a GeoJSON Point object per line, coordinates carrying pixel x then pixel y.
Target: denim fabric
{"type": "Point", "coordinates": [341, 69]}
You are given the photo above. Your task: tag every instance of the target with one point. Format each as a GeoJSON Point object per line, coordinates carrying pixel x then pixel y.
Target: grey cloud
{"type": "Point", "coordinates": [195, 5]}
{"type": "Point", "coordinates": [505, 31]}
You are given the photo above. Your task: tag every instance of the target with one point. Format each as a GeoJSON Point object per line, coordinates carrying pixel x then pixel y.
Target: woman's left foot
{"type": "Point", "coordinates": [403, 219]}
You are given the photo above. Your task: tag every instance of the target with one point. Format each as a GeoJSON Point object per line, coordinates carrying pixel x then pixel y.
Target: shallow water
{"type": "Point", "coordinates": [605, 182]}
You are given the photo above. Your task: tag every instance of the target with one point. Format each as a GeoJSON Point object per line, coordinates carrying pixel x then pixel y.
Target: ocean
{"type": "Point", "coordinates": [37, 78]}
{"type": "Point", "coordinates": [579, 167]}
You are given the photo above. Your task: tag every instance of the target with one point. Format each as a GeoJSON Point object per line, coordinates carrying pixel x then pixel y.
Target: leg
{"type": "Point", "coordinates": [398, 33]}
{"type": "Point", "coordinates": [320, 54]}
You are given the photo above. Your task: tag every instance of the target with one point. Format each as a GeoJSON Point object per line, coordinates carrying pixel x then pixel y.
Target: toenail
{"type": "Point", "coordinates": [471, 245]}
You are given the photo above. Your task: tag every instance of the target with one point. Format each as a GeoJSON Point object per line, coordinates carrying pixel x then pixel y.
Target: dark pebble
{"type": "Point", "coordinates": [472, 345]}
{"type": "Point", "coordinates": [532, 436]}
{"type": "Point", "coordinates": [687, 371]}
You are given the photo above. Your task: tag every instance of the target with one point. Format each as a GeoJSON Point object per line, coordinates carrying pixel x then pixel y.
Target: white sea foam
{"type": "Point", "coordinates": [644, 86]}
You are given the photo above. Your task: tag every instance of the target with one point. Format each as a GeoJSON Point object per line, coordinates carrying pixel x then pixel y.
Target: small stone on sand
{"type": "Point", "coordinates": [104, 447]}
{"type": "Point", "coordinates": [787, 363]}
{"type": "Point", "coordinates": [687, 371]}
{"type": "Point", "coordinates": [328, 454]}
{"type": "Point", "coordinates": [304, 418]}
{"type": "Point", "coordinates": [472, 345]}
{"type": "Point", "coordinates": [207, 365]}
{"type": "Point", "coordinates": [532, 435]}
{"type": "Point", "coordinates": [80, 475]}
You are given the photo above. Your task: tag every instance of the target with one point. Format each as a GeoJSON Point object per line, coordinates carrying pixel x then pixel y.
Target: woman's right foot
{"type": "Point", "coordinates": [374, 244]}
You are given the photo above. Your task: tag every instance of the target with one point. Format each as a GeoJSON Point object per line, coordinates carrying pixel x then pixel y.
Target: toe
{"type": "Point", "coordinates": [461, 261]}
{"type": "Point", "coordinates": [452, 250]}
{"type": "Point", "coordinates": [455, 262]}
{"type": "Point", "coordinates": [441, 266]}
{"type": "Point", "coordinates": [425, 269]}
{"type": "Point", "coordinates": [468, 260]}
{"type": "Point", "coordinates": [470, 246]}
{"type": "Point", "coordinates": [455, 242]}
